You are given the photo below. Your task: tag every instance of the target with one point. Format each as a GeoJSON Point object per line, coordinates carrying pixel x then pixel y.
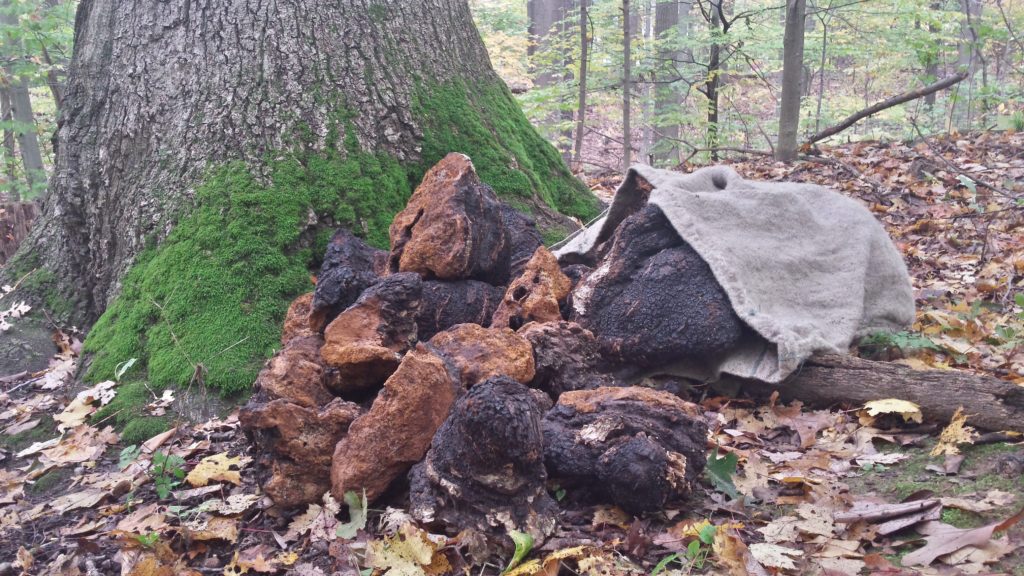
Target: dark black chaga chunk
{"type": "Point", "coordinates": [652, 300]}
{"type": "Point", "coordinates": [350, 266]}
{"type": "Point", "coordinates": [524, 238]}
{"type": "Point", "coordinates": [485, 467]}
{"type": "Point", "coordinates": [445, 304]}
{"type": "Point", "coordinates": [576, 272]}
{"type": "Point", "coordinates": [636, 447]}
{"type": "Point", "coordinates": [565, 358]}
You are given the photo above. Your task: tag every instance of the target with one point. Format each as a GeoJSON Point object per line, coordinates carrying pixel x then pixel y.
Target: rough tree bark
{"type": "Point", "coordinates": [714, 79]}
{"type": "Point", "coordinates": [299, 114]}
{"type": "Point", "coordinates": [969, 59]}
{"type": "Point", "coordinates": [931, 67]}
{"type": "Point", "coordinates": [792, 70]}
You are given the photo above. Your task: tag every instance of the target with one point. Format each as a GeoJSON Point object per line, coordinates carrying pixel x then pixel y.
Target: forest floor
{"type": "Point", "coordinates": [845, 490]}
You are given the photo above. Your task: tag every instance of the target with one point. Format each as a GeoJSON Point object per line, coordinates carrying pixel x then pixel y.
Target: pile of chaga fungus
{"type": "Point", "coordinates": [460, 376]}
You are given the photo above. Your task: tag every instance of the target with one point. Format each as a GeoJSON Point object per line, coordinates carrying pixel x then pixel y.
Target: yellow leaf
{"type": "Point", "coordinates": [958, 432]}
{"type": "Point", "coordinates": [551, 562]}
{"type": "Point", "coordinates": [217, 468]}
{"type": "Point", "coordinates": [411, 552]}
{"type": "Point", "coordinates": [216, 528]}
{"type": "Point", "coordinates": [287, 558]}
{"type": "Point", "coordinates": [732, 553]}
{"type": "Point", "coordinates": [911, 412]}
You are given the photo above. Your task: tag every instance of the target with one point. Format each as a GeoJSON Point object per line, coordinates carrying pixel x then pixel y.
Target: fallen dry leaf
{"type": "Point", "coordinates": [730, 550]}
{"type": "Point", "coordinates": [908, 410]}
{"type": "Point", "coordinates": [956, 433]}
{"type": "Point", "coordinates": [84, 444]}
{"type": "Point", "coordinates": [944, 539]}
{"type": "Point", "coordinates": [775, 556]}
{"type": "Point", "coordinates": [217, 468]}
{"type": "Point", "coordinates": [145, 519]}
{"type": "Point", "coordinates": [234, 504]}
{"type": "Point", "coordinates": [215, 528]}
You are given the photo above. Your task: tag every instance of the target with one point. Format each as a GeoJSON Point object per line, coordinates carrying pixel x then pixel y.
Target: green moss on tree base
{"type": "Point", "coordinates": [208, 302]}
{"type": "Point", "coordinates": [485, 122]}
{"type": "Point", "coordinates": [206, 305]}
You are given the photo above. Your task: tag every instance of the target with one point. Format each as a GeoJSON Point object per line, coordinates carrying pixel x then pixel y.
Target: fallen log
{"type": "Point", "coordinates": [990, 403]}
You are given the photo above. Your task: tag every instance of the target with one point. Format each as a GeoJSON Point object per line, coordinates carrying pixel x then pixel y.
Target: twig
{"type": "Point", "coordinates": [884, 104]}
{"type": "Point", "coordinates": [18, 283]}
{"type": "Point", "coordinates": [748, 151]}
{"type": "Point", "coordinates": [25, 383]}
{"type": "Point", "coordinates": [878, 185]}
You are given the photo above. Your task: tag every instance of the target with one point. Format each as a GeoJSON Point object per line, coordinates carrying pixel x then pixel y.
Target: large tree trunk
{"type": "Point", "coordinates": [205, 148]}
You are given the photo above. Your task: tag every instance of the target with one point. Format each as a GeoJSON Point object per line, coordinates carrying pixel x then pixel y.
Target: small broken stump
{"type": "Point", "coordinates": [295, 443]}
{"type": "Point", "coordinates": [536, 295]}
{"type": "Point", "coordinates": [452, 227]}
{"type": "Point", "coordinates": [566, 358]}
{"type": "Point", "coordinates": [633, 300]}
{"type": "Point", "coordinates": [445, 304]}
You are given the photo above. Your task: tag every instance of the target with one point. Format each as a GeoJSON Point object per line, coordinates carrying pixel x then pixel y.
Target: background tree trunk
{"type": "Point", "coordinates": [969, 59]}
{"type": "Point", "coordinates": [226, 139]}
{"type": "Point", "coordinates": [666, 98]}
{"type": "Point", "coordinates": [714, 78]}
{"type": "Point", "coordinates": [627, 85]}
{"type": "Point", "coordinates": [20, 103]}
{"type": "Point", "coordinates": [9, 150]}
{"type": "Point", "coordinates": [28, 140]}
{"type": "Point", "coordinates": [550, 23]}
{"type": "Point", "coordinates": [581, 100]}
{"type": "Point", "coordinates": [931, 68]}
{"type": "Point", "coordinates": [792, 71]}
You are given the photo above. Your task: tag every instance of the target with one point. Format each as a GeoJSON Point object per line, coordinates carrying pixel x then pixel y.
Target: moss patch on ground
{"type": "Point", "coordinates": [46, 429]}
{"type": "Point", "coordinates": [979, 473]}
{"type": "Point", "coordinates": [903, 479]}
{"type": "Point", "coordinates": [205, 306]}
{"type": "Point", "coordinates": [55, 481]}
